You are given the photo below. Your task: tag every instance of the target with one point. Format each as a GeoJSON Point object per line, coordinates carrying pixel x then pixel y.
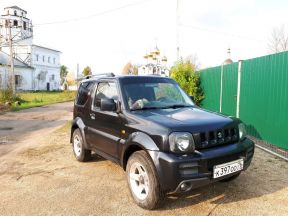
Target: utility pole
{"type": "Point", "coordinates": [12, 75]}
{"type": "Point", "coordinates": [178, 29]}
{"type": "Point", "coordinates": [77, 75]}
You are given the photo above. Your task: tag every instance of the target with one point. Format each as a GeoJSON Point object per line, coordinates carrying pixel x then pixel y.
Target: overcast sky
{"type": "Point", "coordinates": [107, 34]}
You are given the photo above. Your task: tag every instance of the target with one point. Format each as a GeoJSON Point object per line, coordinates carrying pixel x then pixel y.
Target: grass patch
{"type": "Point", "coordinates": [36, 99]}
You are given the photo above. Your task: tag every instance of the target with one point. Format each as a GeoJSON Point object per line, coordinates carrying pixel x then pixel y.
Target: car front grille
{"type": "Point", "coordinates": [216, 137]}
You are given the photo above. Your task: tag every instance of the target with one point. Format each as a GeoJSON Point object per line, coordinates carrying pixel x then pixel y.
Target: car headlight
{"type": "Point", "coordinates": [181, 142]}
{"type": "Point", "coordinates": [242, 131]}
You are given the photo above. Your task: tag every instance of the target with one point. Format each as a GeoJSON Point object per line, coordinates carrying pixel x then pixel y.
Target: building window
{"type": "Point", "coordinates": [15, 23]}
{"type": "Point", "coordinates": [49, 59]}
{"type": "Point", "coordinates": [53, 77]}
{"type": "Point", "coordinates": [43, 58]}
{"type": "Point", "coordinates": [17, 80]}
{"type": "Point", "coordinates": [54, 61]}
{"type": "Point", "coordinates": [42, 76]}
{"type": "Point", "coordinates": [24, 25]}
{"type": "Point", "coordinates": [22, 14]}
{"type": "Point", "coordinates": [37, 57]}
{"type": "Point", "coordinates": [15, 13]}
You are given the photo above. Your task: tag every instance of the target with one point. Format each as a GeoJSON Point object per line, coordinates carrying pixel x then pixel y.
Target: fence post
{"type": "Point", "coordinates": [238, 88]}
{"type": "Point", "coordinates": [221, 88]}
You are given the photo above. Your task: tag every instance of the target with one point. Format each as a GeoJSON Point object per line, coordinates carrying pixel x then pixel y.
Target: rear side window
{"type": "Point", "coordinates": [106, 90]}
{"type": "Point", "coordinates": [83, 93]}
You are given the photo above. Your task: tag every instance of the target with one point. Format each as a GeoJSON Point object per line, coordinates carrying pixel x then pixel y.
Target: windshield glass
{"type": "Point", "coordinates": [140, 96]}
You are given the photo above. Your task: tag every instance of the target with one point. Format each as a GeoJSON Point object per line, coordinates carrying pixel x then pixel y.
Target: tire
{"type": "Point", "coordinates": [80, 153]}
{"type": "Point", "coordinates": [231, 178]}
{"type": "Point", "coordinates": [143, 182]}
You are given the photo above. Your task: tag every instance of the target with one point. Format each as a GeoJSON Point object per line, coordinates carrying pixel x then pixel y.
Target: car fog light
{"type": "Point", "coordinates": [185, 186]}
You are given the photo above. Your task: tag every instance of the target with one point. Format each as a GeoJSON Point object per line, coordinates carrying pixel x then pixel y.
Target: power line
{"type": "Point", "coordinates": [219, 32]}
{"type": "Point", "coordinates": [93, 15]}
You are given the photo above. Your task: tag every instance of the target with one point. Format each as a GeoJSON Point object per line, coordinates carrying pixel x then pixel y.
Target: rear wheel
{"type": "Point", "coordinates": [79, 150]}
{"type": "Point", "coordinates": [142, 181]}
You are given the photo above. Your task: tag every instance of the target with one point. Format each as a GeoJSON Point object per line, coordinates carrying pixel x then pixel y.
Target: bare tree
{"type": "Point", "coordinates": [278, 41]}
{"type": "Point", "coordinates": [194, 60]}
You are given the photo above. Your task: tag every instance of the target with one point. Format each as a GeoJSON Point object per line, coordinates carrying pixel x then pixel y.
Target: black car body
{"type": "Point", "coordinates": [114, 130]}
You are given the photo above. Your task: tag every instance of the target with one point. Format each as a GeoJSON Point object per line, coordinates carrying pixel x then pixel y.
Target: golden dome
{"type": "Point", "coordinates": [228, 61]}
{"type": "Point", "coordinates": [156, 51]}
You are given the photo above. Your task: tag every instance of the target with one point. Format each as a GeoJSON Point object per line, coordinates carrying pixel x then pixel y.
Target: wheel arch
{"type": "Point", "coordinates": [78, 124]}
{"type": "Point", "coordinates": [136, 142]}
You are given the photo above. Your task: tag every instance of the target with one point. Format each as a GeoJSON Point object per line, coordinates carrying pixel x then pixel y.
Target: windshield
{"type": "Point", "coordinates": [140, 96]}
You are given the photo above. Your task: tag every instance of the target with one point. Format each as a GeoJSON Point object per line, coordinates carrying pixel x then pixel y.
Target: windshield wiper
{"type": "Point", "coordinates": [146, 108]}
{"type": "Point", "coordinates": [175, 106]}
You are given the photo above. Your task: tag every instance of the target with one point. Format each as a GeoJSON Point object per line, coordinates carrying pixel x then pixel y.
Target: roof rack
{"type": "Point", "coordinates": [99, 75]}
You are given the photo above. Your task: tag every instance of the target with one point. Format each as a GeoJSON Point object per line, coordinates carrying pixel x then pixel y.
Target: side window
{"type": "Point", "coordinates": [83, 93]}
{"type": "Point", "coordinates": [105, 90]}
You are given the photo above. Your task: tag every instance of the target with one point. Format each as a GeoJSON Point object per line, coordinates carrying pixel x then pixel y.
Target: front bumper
{"type": "Point", "coordinates": [197, 169]}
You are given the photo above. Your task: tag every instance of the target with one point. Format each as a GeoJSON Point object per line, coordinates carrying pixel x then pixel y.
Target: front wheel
{"type": "Point", "coordinates": [79, 150]}
{"type": "Point", "coordinates": [142, 181]}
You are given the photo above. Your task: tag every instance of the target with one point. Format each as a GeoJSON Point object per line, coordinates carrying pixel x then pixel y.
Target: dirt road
{"type": "Point", "coordinates": [43, 178]}
{"type": "Point", "coordinates": [16, 127]}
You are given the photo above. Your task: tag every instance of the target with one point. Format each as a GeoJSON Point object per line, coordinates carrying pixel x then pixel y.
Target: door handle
{"type": "Point", "coordinates": [92, 115]}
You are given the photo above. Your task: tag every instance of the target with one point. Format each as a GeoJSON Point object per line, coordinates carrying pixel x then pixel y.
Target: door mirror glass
{"type": "Point", "coordinates": [107, 105]}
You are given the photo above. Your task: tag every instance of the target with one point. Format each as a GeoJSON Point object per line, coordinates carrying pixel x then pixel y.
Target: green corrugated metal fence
{"type": "Point", "coordinates": [210, 81]}
{"type": "Point", "coordinates": [229, 90]}
{"type": "Point", "coordinates": [263, 105]}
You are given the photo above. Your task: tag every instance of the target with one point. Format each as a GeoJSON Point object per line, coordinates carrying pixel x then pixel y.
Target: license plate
{"type": "Point", "coordinates": [227, 168]}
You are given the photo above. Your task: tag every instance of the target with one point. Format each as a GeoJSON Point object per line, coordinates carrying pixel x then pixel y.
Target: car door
{"type": "Point", "coordinates": [104, 126]}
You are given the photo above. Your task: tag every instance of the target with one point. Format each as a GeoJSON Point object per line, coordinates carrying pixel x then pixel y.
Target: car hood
{"type": "Point", "coordinates": [190, 119]}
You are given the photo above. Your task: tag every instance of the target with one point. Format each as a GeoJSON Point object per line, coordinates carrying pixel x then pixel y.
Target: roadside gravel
{"type": "Point", "coordinates": [44, 179]}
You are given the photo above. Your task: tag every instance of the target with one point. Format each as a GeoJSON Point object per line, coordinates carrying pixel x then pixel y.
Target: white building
{"type": "Point", "coordinates": [36, 67]}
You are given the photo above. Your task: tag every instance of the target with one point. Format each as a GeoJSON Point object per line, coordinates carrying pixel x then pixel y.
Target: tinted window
{"type": "Point", "coordinates": [158, 95]}
{"type": "Point", "coordinates": [83, 91]}
{"type": "Point", "coordinates": [105, 90]}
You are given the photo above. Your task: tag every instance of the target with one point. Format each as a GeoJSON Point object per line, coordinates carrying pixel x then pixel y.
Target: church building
{"type": "Point", "coordinates": [35, 67]}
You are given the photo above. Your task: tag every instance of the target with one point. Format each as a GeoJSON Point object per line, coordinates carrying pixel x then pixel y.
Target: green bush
{"type": "Point", "coordinates": [185, 74]}
{"type": "Point", "coordinates": [6, 95]}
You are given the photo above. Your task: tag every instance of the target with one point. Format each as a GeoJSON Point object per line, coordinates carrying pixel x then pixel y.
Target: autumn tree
{"type": "Point", "coordinates": [87, 71]}
{"type": "Point", "coordinates": [184, 72]}
{"type": "Point", "coordinates": [129, 69]}
{"type": "Point", "coordinates": [63, 73]}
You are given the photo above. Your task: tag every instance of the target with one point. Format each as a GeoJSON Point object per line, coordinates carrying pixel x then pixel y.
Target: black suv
{"type": "Point", "coordinates": [164, 142]}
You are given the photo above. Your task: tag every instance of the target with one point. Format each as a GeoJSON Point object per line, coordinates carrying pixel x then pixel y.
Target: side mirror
{"type": "Point", "coordinates": [107, 105]}
{"type": "Point", "coordinates": [191, 97]}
